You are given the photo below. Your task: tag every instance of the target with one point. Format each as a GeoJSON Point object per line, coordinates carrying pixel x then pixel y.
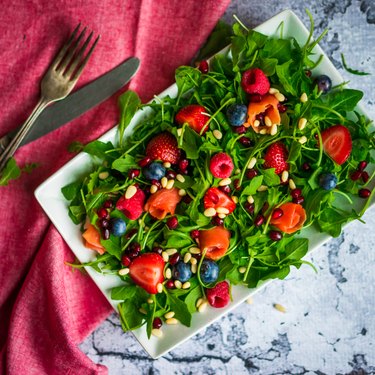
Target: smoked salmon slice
{"type": "Point", "coordinates": [214, 241]}
{"type": "Point", "coordinates": [293, 218]}
{"type": "Point", "coordinates": [92, 239]}
{"type": "Point", "coordinates": [162, 203]}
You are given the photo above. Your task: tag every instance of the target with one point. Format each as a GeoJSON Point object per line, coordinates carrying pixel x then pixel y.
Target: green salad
{"type": "Point", "coordinates": [213, 187]}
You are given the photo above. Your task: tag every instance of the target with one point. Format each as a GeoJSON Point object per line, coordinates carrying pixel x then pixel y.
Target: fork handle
{"type": "Point", "coordinates": [11, 148]}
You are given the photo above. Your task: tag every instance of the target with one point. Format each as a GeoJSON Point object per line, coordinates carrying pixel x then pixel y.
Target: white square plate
{"type": "Point", "coordinates": [50, 198]}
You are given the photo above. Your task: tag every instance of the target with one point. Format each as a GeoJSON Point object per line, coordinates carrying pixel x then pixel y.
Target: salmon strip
{"type": "Point", "coordinates": [92, 239]}
{"type": "Point", "coordinates": [163, 202]}
{"type": "Point", "coordinates": [214, 241]}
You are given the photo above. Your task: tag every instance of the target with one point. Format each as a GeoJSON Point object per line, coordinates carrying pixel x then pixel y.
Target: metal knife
{"type": "Point", "coordinates": [81, 100]}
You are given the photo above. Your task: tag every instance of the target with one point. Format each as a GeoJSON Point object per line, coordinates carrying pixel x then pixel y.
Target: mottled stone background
{"type": "Point", "coordinates": [329, 323]}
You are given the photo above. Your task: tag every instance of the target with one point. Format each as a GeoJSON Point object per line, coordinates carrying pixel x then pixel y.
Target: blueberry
{"type": "Point", "coordinates": [209, 271]}
{"type": "Point", "coordinates": [328, 181]}
{"type": "Point", "coordinates": [155, 171]}
{"type": "Point", "coordinates": [236, 114]}
{"type": "Point", "coordinates": [117, 226]}
{"type": "Point", "coordinates": [324, 83]}
{"type": "Point", "coordinates": [182, 271]}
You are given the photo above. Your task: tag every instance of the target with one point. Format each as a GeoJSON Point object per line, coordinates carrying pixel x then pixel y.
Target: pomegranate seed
{"type": "Point", "coordinates": [298, 200]}
{"type": "Point", "coordinates": [364, 193]}
{"type": "Point", "coordinates": [308, 73]}
{"type": "Point", "coordinates": [183, 164]}
{"type": "Point", "coordinates": [212, 197]}
{"type": "Point", "coordinates": [103, 223]}
{"type": "Point", "coordinates": [251, 173]}
{"type": "Point", "coordinates": [203, 66]}
{"type": "Point", "coordinates": [306, 167]}
{"type": "Point", "coordinates": [217, 221]}
{"type": "Point", "coordinates": [125, 260]}
{"type": "Point", "coordinates": [171, 175]}
{"type": "Point", "coordinates": [169, 284]}
{"type": "Point", "coordinates": [256, 98]}
{"type": "Point", "coordinates": [277, 213]}
{"type": "Point", "coordinates": [236, 184]}
{"type": "Point", "coordinates": [144, 162]}
{"type": "Point", "coordinates": [260, 118]}
{"type": "Point", "coordinates": [362, 165]}
{"type": "Point", "coordinates": [103, 213]}
{"type": "Point", "coordinates": [249, 207]}
{"type": "Point", "coordinates": [175, 258]}
{"type": "Point", "coordinates": [187, 199]}
{"type": "Point", "coordinates": [157, 323]}
{"type": "Point", "coordinates": [197, 256]}
{"type": "Point", "coordinates": [105, 233]}
{"type": "Point", "coordinates": [295, 193]}
{"type": "Point", "coordinates": [108, 204]}
{"type": "Point", "coordinates": [172, 223]}
{"type": "Point", "coordinates": [265, 207]}
{"type": "Point", "coordinates": [157, 250]}
{"type": "Point", "coordinates": [194, 234]}
{"type": "Point", "coordinates": [225, 189]}
{"type": "Point", "coordinates": [134, 250]}
{"type": "Point", "coordinates": [245, 141]}
{"type": "Point", "coordinates": [239, 129]}
{"type": "Point", "coordinates": [259, 220]}
{"type": "Point", "coordinates": [365, 176]}
{"type": "Point", "coordinates": [133, 173]}
{"type": "Point", "coordinates": [356, 175]}
{"type": "Point", "coordinates": [282, 108]}
{"type": "Point", "coordinates": [131, 233]}
{"type": "Point", "coordinates": [275, 235]}
{"type": "Point", "coordinates": [156, 183]}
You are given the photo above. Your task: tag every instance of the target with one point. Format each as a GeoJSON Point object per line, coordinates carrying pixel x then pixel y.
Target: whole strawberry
{"type": "Point", "coordinates": [163, 147]}
{"type": "Point", "coordinates": [276, 157]}
{"type": "Point", "coordinates": [195, 116]}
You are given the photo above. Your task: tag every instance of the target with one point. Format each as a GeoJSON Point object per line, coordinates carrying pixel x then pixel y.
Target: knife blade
{"type": "Point", "coordinates": [81, 100]}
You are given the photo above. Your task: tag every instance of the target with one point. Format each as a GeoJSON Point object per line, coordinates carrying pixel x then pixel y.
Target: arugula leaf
{"type": "Point", "coordinates": [129, 103]}
{"type": "Point", "coordinates": [180, 309]}
{"type": "Point", "coordinates": [124, 164]}
{"type": "Point", "coordinates": [10, 172]}
{"type": "Point", "coordinates": [352, 71]}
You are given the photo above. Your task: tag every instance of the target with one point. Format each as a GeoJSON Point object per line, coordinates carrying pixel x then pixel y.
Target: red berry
{"type": "Point", "coordinates": [251, 173]}
{"type": "Point", "coordinates": [172, 223]}
{"type": "Point", "coordinates": [308, 73]}
{"type": "Point", "coordinates": [187, 199]}
{"type": "Point", "coordinates": [364, 193]}
{"type": "Point", "coordinates": [183, 164]}
{"type": "Point", "coordinates": [356, 175]}
{"type": "Point", "coordinates": [108, 204]}
{"type": "Point", "coordinates": [256, 98]}
{"type": "Point", "coordinates": [295, 193]}
{"type": "Point", "coordinates": [103, 213]}
{"type": "Point", "coordinates": [225, 189]}
{"type": "Point", "coordinates": [131, 233]}
{"type": "Point", "coordinates": [217, 221]}
{"type": "Point", "coordinates": [125, 260]}
{"type": "Point", "coordinates": [259, 220]}
{"type": "Point", "coordinates": [195, 116]}
{"type": "Point", "coordinates": [362, 165]}
{"type": "Point", "coordinates": [174, 259]}
{"type": "Point", "coordinates": [157, 250]}
{"type": "Point", "coordinates": [245, 141]}
{"type": "Point", "coordinates": [171, 175]}
{"type": "Point", "coordinates": [156, 183]}
{"type": "Point", "coordinates": [250, 207]}
{"type": "Point", "coordinates": [133, 250]}
{"type": "Point", "coordinates": [298, 200]}
{"type": "Point", "coordinates": [276, 157]}
{"type": "Point", "coordinates": [133, 173]}
{"type": "Point", "coordinates": [236, 184]}
{"type": "Point", "coordinates": [194, 234]}
{"type": "Point", "coordinates": [306, 167]}
{"type": "Point", "coordinates": [275, 235]}
{"type": "Point", "coordinates": [169, 284]}
{"type": "Point", "coordinates": [203, 66]}
{"type": "Point", "coordinates": [218, 296]}
{"type": "Point", "coordinates": [282, 108]}
{"type": "Point", "coordinates": [365, 176]}
{"type": "Point", "coordinates": [144, 162]}
{"type": "Point", "coordinates": [157, 323]}
{"type": "Point", "coordinates": [239, 129]}
{"type": "Point", "coordinates": [163, 147]}
{"type": "Point", "coordinates": [277, 213]}
{"type": "Point", "coordinates": [105, 233]}
{"type": "Point", "coordinates": [103, 223]}
{"type": "Point", "coordinates": [133, 207]}
{"type": "Point", "coordinates": [254, 81]}
{"type": "Point", "coordinates": [221, 165]}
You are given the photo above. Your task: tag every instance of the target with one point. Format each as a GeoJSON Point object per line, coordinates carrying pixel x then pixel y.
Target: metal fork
{"type": "Point", "coordinates": [56, 84]}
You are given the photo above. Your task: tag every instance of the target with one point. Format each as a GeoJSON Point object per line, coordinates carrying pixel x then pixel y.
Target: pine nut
{"type": "Point", "coordinates": [273, 91]}
{"type": "Point", "coordinates": [165, 256]}
{"type": "Point", "coordinates": [222, 210]}
{"type": "Point", "coordinates": [180, 178]}
{"type": "Point", "coordinates": [222, 216]}
{"type": "Point", "coordinates": [167, 164]}
{"type": "Point", "coordinates": [267, 121]}
{"type": "Point", "coordinates": [304, 98]}
{"type": "Point", "coordinates": [146, 228]}
{"type": "Point", "coordinates": [153, 189]}
{"type": "Point", "coordinates": [195, 250]}
{"type": "Point", "coordinates": [150, 301]}
{"type": "Point", "coordinates": [171, 321]}
{"type": "Point", "coordinates": [202, 307]}
{"type": "Point", "coordinates": [170, 184]}
{"type": "Point", "coordinates": [303, 140]}
{"type": "Point", "coordinates": [168, 273]}
{"type": "Point", "coordinates": [199, 302]}
{"type": "Point", "coordinates": [171, 251]}
{"type": "Point", "coordinates": [234, 199]}
{"type": "Point", "coordinates": [169, 315]}
{"type": "Point", "coordinates": [252, 163]}
{"type": "Point", "coordinates": [279, 307]}
{"type": "Point", "coordinates": [193, 261]}
{"type": "Point", "coordinates": [164, 182]}
{"type": "Point", "coordinates": [284, 176]}
{"type": "Point", "coordinates": [279, 96]}
{"type": "Point", "coordinates": [250, 301]}
{"type": "Point", "coordinates": [217, 134]}
{"type": "Point", "coordinates": [256, 123]}
{"type": "Point", "coordinates": [103, 175]}
{"type": "Point", "coordinates": [225, 182]}
{"type": "Point", "coordinates": [242, 269]}
{"type": "Point", "coordinates": [159, 288]}
{"type": "Point", "coordinates": [130, 191]}
{"type": "Point", "coordinates": [157, 332]}
{"type": "Point", "coordinates": [194, 267]}
{"type": "Point", "coordinates": [263, 131]}
{"type": "Point", "coordinates": [187, 258]}
{"type": "Point", "coordinates": [250, 199]}
{"type": "Point", "coordinates": [179, 132]}
{"type": "Point", "coordinates": [182, 192]}
{"type": "Point", "coordinates": [178, 284]}
{"type": "Point", "coordinates": [142, 311]}
{"type": "Point", "coordinates": [262, 188]}
{"type": "Point", "coordinates": [209, 212]}
{"type": "Point", "coordinates": [186, 285]}
{"type": "Point", "coordinates": [292, 185]}
{"type": "Point", "coordinates": [273, 130]}
{"type": "Point", "coordinates": [302, 123]}
{"type": "Point", "coordinates": [123, 271]}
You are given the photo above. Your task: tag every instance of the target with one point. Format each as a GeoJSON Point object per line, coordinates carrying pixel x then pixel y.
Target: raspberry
{"type": "Point", "coordinates": [218, 296]}
{"type": "Point", "coordinates": [221, 165]}
{"type": "Point", "coordinates": [254, 81]}
{"type": "Point", "coordinates": [133, 207]}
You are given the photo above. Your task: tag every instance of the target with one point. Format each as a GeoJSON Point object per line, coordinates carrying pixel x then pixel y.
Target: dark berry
{"type": "Point", "coordinates": [277, 213]}
{"type": "Point", "coordinates": [172, 223]}
{"type": "Point", "coordinates": [356, 175]}
{"type": "Point", "coordinates": [249, 207]}
{"type": "Point", "coordinates": [155, 171]}
{"type": "Point", "coordinates": [365, 176]}
{"type": "Point", "coordinates": [157, 323]}
{"type": "Point", "coordinates": [324, 83]}
{"type": "Point", "coordinates": [194, 234]}
{"type": "Point", "coordinates": [182, 271]}
{"type": "Point", "coordinates": [157, 250]}
{"type": "Point", "coordinates": [105, 233]}
{"type": "Point", "coordinates": [144, 162]}
{"type": "Point", "coordinates": [133, 173]}
{"type": "Point", "coordinates": [327, 181]}
{"type": "Point", "coordinates": [217, 221]}
{"type": "Point", "coordinates": [256, 98]}
{"type": "Point", "coordinates": [245, 141]}
{"type": "Point", "coordinates": [131, 233]}
{"type": "Point", "coordinates": [251, 173]}
{"type": "Point", "coordinates": [362, 165]}
{"type": "Point", "coordinates": [103, 223]}
{"type": "Point", "coordinates": [364, 193]}
{"type": "Point", "coordinates": [275, 235]}
{"type": "Point", "coordinates": [306, 167]}
{"type": "Point", "coordinates": [298, 200]}
{"type": "Point", "coordinates": [259, 220]}
{"type": "Point", "coordinates": [187, 199]}
{"type": "Point", "coordinates": [174, 259]}
{"type": "Point", "coordinates": [169, 284]}
{"type": "Point", "coordinates": [117, 226]}
{"type": "Point", "coordinates": [308, 73]}
{"type": "Point", "coordinates": [209, 271]}
{"type": "Point", "coordinates": [108, 204]}
{"type": "Point", "coordinates": [125, 260]}
{"type": "Point", "coordinates": [239, 129]}
{"type": "Point", "coordinates": [183, 165]}
{"type": "Point", "coordinates": [265, 207]}
{"type": "Point", "coordinates": [295, 193]}
{"type": "Point", "coordinates": [236, 184]}
{"type": "Point", "coordinates": [237, 114]}
{"type": "Point", "coordinates": [282, 108]}
{"type": "Point", "coordinates": [203, 66]}
{"type": "Point", "coordinates": [225, 189]}
{"type": "Point", "coordinates": [156, 183]}
{"type": "Point", "coordinates": [103, 213]}
{"type": "Point", "coordinates": [171, 175]}
{"type": "Point", "coordinates": [134, 250]}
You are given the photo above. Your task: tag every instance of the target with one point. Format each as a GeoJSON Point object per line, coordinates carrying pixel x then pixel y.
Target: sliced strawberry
{"type": "Point", "coordinates": [337, 143]}
{"type": "Point", "coordinates": [163, 147]}
{"type": "Point", "coordinates": [216, 198]}
{"type": "Point", "coordinates": [195, 116]}
{"type": "Point", "coordinates": [133, 207]}
{"type": "Point", "coordinates": [218, 296]}
{"type": "Point", "coordinates": [276, 157]}
{"type": "Point", "coordinates": [147, 271]}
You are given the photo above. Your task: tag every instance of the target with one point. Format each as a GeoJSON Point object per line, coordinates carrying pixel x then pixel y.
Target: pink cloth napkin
{"type": "Point", "coordinates": [46, 309]}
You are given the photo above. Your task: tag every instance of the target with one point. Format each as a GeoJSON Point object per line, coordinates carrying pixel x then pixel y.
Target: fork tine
{"type": "Point", "coordinates": [77, 58]}
{"type": "Point", "coordinates": [65, 47]}
{"type": "Point", "coordinates": [85, 60]}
